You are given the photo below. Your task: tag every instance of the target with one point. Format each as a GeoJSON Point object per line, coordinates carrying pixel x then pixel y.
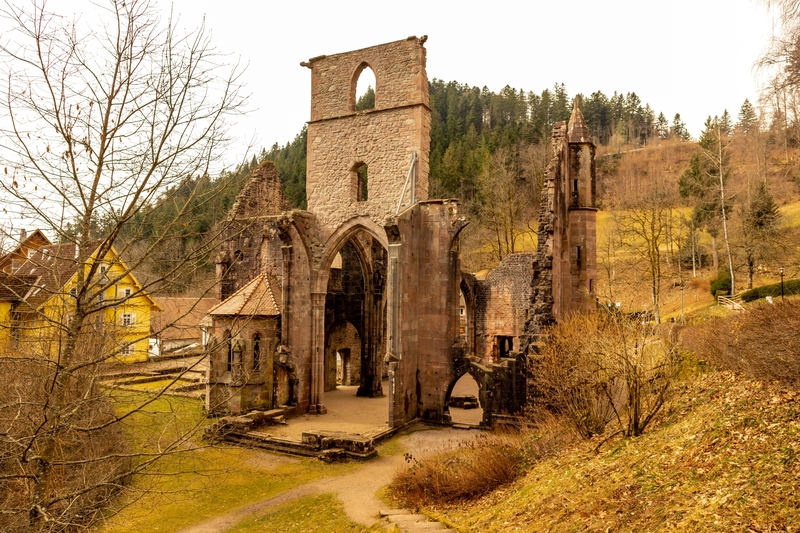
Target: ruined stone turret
{"type": "Point", "coordinates": [565, 268]}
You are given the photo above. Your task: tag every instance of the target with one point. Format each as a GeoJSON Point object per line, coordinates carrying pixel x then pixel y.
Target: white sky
{"type": "Point", "coordinates": [694, 57]}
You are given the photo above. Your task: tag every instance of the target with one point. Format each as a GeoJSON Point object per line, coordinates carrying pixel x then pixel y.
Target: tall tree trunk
{"type": "Point", "coordinates": [714, 255]}
{"type": "Point", "coordinates": [724, 214]}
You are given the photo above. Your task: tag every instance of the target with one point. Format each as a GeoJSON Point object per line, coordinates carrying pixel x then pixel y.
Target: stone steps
{"type": "Point", "coordinates": [409, 521]}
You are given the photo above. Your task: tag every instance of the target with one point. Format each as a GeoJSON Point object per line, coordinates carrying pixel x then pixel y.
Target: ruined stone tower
{"type": "Point", "coordinates": [386, 138]}
{"type": "Point", "coordinates": [565, 269]}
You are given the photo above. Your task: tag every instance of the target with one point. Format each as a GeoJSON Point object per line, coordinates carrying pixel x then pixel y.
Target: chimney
{"type": "Point", "coordinates": [23, 234]}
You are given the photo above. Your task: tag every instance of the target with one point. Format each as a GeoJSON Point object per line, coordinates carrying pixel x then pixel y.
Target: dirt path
{"type": "Point", "coordinates": [356, 489]}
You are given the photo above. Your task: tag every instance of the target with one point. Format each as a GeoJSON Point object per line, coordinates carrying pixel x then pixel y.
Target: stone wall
{"type": "Point", "coordinates": [384, 138]}
{"type": "Point", "coordinates": [502, 305]}
{"type": "Point", "coordinates": [423, 321]}
{"type": "Point", "coordinates": [245, 386]}
{"type": "Point", "coordinates": [241, 256]}
{"type": "Point", "coordinates": [261, 195]}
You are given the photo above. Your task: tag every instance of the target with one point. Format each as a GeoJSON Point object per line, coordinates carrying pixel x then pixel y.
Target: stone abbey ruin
{"type": "Point", "coordinates": [366, 283]}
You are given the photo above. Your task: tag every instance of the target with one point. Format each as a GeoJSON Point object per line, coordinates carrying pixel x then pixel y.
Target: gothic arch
{"type": "Point", "coordinates": [339, 237]}
{"type": "Point", "coordinates": [352, 97]}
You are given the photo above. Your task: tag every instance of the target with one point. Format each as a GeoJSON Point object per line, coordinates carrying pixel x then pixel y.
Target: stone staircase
{"type": "Point", "coordinates": [409, 521]}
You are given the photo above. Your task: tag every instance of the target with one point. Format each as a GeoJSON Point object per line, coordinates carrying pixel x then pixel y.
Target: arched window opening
{"type": "Point", "coordinates": [364, 88]}
{"type": "Point", "coordinates": [226, 341]}
{"type": "Point", "coordinates": [361, 176]}
{"type": "Point", "coordinates": [505, 345]}
{"type": "Point", "coordinates": [337, 261]}
{"type": "Point", "coordinates": [256, 352]}
{"type": "Point", "coordinates": [462, 315]}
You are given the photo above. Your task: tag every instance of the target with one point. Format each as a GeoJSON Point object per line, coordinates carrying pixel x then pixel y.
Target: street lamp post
{"type": "Point", "coordinates": [781, 283]}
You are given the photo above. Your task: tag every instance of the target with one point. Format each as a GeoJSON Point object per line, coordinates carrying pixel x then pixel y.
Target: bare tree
{"type": "Point", "coordinates": [643, 226]}
{"type": "Point", "coordinates": [605, 369]}
{"type": "Point", "coordinates": [505, 200]}
{"type": "Point", "coordinates": [100, 121]}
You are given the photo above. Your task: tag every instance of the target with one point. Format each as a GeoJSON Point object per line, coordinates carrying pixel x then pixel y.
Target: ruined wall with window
{"type": "Point", "coordinates": [342, 141]}
{"type": "Point", "coordinates": [502, 306]}
{"type": "Point", "coordinates": [566, 266]}
{"type": "Point", "coordinates": [242, 255]}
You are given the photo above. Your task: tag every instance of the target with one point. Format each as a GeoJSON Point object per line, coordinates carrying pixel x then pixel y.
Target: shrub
{"type": "Point", "coordinates": [761, 343]}
{"type": "Point", "coordinates": [598, 369]}
{"type": "Point", "coordinates": [721, 283]}
{"type": "Point", "coordinates": [474, 468]}
{"type": "Point", "coordinates": [791, 286]}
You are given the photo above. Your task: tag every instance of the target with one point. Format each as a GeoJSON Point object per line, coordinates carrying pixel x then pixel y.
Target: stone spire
{"type": "Point", "coordinates": [577, 131]}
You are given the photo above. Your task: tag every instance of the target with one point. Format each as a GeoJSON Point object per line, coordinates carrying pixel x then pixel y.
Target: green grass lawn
{"type": "Point", "coordinates": [196, 481]}
{"type": "Point", "coordinates": [315, 513]}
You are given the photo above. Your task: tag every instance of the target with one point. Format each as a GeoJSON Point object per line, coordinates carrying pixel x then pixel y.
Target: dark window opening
{"type": "Point", "coordinates": [362, 189]}
{"type": "Point", "coordinates": [226, 340]}
{"type": "Point", "coordinates": [579, 257]}
{"type": "Point", "coordinates": [505, 345]}
{"type": "Point", "coordinates": [575, 192]}
{"type": "Point", "coordinates": [256, 352]}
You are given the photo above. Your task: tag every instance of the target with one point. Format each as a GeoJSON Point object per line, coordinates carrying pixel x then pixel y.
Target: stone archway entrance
{"type": "Point", "coordinates": [355, 316]}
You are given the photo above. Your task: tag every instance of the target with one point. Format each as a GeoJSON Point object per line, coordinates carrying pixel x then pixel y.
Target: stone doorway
{"type": "Point", "coordinates": [355, 317]}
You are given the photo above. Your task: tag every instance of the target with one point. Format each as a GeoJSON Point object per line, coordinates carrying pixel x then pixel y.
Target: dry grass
{"type": "Point", "coordinates": [726, 457]}
{"type": "Point", "coordinates": [761, 343]}
{"type": "Point", "coordinates": [475, 468]}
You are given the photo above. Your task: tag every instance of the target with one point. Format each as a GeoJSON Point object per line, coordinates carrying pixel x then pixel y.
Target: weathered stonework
{"type": "Point", "coordinates": [565, 269]}
{"type": "Point", "coordinates": [502, 307]}
{"type": "Point", "coordinates": [384, 138]}
{"type": "Point", "coordinates": [371, 287]}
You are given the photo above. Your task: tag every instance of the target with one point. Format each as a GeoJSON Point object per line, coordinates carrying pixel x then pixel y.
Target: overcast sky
{"type": "Point", "coordinates": [693, 57]}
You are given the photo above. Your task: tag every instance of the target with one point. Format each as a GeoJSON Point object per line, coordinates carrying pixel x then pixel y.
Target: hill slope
{"type": "Point", "coordinates": [725, 458]}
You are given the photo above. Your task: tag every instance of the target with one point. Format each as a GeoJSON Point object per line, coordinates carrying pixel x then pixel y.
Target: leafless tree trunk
{"type": "Point", "coordinates": [101, 122]}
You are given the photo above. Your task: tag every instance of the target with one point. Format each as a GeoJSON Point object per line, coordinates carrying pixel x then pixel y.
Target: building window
{"type": "Point", "coordinates": [226, 340]}
{"type": "Point", "coordinates": [361, 177]}
{"type": "Point", "coordinates": [126, 349]}
{"type": "Point", "coordinates": [579, 257]}
{"type": "Point", "coordinates": [256, 352]}
{"type": "Point", "coordinates": [363, 88]}
{"type": "Point", "coordinates": [127, 320]}
{"type": "Point", "coordinates": [126, 293]}
{"type": "Point", "coordinates": [505, 345]}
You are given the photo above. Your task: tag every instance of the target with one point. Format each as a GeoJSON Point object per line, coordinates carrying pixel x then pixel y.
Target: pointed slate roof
{"type": "Point", "coordinates": [578, 131]}
{"type": "Point", "coordinates": [260, 297]}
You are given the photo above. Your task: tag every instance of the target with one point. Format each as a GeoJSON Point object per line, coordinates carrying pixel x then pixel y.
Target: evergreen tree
{"type": "Point", "coordinates": [679, 128]}
{"type": "Point", "coordinates": [367, 100]}
{"type": "Point", "coordinates": [662, 126]}
{"type": "Point", "coordinates": [725, 124]}
{"type": "Point", "coordinates": [759, 227]}
{"type": "Point", "coordinates": [748, 118]}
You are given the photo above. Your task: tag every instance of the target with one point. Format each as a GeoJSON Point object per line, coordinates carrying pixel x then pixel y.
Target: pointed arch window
{"type": "Point", "coordinates": [256, 352]}
{"type": "Point", "coordinates": [363, 88]}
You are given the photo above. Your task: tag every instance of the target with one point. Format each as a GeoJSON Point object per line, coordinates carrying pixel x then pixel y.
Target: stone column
{"type": "Point", "coordinates": [286, 314]}
{"type": "Point", "coordinates": [317, 353]}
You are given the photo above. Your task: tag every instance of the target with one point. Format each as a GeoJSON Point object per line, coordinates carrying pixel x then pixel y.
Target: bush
{"type": "Point", "coordinates": [791, 286]}
{"type": "Point", "coordinates": [761, 343]}
{"type": "Point", "coordinates": [721, 283]}
{"type": "Point", "coordinates": [475, 468]}
{"type": "Point", "coordinates": [600, 369]}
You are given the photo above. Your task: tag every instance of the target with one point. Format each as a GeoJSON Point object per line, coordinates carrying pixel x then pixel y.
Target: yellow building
{"type": "Point", "coordinates": [38, 299]}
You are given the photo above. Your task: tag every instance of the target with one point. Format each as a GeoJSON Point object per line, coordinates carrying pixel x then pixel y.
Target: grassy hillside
{"type": "Point", "coordinates": [725, 457]}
